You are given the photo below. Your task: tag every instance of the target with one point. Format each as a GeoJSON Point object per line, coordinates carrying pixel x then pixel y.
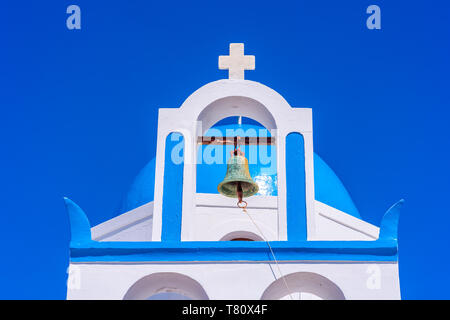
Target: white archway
{"type": "Point", "coordinates": [235, 106]}
{"type": "Point", "coordinates": [237, 235]}
{"type": "Point", "coordinates": [307, 284]}
{"type": "Point", "coordinates": [166, 285]}
{"type": "Point", "coordinates": [230, 93]}
{"type": "Point", "coordinates": [242, 228]}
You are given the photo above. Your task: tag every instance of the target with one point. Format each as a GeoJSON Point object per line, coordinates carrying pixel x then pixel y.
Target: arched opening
{"type": "Point", "coordinates": [303, 285]}
{"type": "Point", "coordinates": [231, 107]}
{"type": "Point", "coordinates": [217, 144]}
{"type": "Point", "coordinates": [218, 133]}
{"type": "Point", "coordinates": [166, 286]}
{"type": "Point", "coordinates": [241, 236]}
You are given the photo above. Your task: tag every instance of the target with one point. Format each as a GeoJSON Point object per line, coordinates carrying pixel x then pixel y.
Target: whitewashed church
{"type": "Point", "coordinates": [236, 205]}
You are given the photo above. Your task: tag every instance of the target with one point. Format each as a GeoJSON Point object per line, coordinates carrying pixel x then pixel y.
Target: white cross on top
{"type": "Point", "coordinates": [236, 62]}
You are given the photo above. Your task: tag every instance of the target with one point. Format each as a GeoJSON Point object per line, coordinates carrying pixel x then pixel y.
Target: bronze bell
{"type": "Point", "coordinates": [238, 182]}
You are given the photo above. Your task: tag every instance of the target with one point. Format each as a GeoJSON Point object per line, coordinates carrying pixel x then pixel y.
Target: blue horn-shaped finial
{"type": "Point", "coordinates": [80, 228]}
{"type": "Point", "coordinates": [389, 223]}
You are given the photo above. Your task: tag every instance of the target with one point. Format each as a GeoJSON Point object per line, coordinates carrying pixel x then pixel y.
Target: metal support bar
{"type": "Point", "coordinates": [236, 140]}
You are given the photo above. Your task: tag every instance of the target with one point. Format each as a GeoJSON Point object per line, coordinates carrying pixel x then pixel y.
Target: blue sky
{"type": "Point", "coordinates": [79, 110]}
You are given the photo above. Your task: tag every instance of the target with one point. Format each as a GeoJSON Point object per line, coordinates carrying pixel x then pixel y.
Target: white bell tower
{"type": "Point", "coordinates": [178, 244]}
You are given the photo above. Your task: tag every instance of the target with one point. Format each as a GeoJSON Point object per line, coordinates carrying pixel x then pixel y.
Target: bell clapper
{"type": "Point", "coordinates": [239, 193]}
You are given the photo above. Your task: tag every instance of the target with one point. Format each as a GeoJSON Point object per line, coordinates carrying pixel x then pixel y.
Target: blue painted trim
{"type": "Point", "coordinates": [295, 187]}
{"type": "Point", "coordinates": [235, 251]}
{"type": "Point", "coordinates": [389, 223]}
{"type": "Point", "coordinates": [173, 188]}
{"type": "Point", "coordinates": [83, 249]}
{"type": "Point", "coordinates": [80, 228]}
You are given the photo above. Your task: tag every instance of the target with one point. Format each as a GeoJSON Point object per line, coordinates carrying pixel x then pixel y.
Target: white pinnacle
{"type": "Point", "coordinates": [236, 62]}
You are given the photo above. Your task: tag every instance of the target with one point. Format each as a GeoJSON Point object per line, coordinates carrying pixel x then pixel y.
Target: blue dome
{"type": "Point", "coordinates": [212, 167]}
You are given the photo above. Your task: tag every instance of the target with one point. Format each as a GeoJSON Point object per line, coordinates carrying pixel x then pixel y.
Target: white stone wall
{"type": "Point", "coordinates": [241, 280]}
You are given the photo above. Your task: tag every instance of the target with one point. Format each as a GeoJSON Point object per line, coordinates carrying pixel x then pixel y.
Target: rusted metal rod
{"type": "Point", "coordinates": [236, 140]}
